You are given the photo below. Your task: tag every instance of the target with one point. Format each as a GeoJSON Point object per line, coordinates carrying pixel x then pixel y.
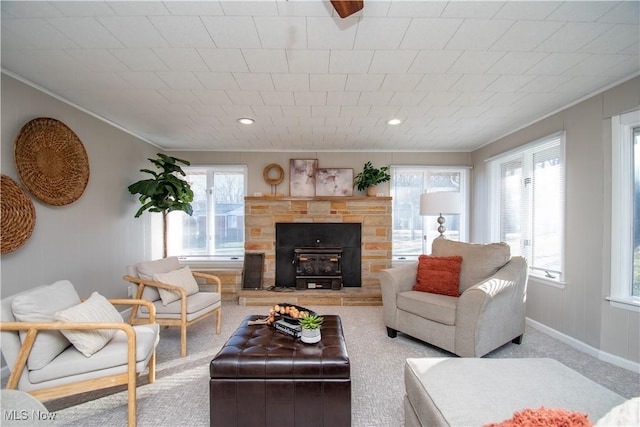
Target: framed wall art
{"type": "Point", "coordinates": [302, 177]}
{"type": "Point", "coordinates": [334, 182]}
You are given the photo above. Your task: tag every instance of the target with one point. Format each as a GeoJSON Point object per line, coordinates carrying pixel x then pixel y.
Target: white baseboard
{"type": "Point", "coordinates": [585, 348]}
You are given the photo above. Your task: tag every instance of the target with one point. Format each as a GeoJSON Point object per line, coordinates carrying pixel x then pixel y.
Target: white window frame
{"type": "Point", "coordinates": [493, 164]}
{"type": "Point", "coordinates": [622, 205]}
{"type": "Point", "coordinates": [465, 189]}
{"type": "Point", "coordinates": [232, 260]}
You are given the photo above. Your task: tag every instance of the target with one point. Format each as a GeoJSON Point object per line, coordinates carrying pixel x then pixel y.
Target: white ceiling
{"type": "Point", "coordinates": [460, 73]}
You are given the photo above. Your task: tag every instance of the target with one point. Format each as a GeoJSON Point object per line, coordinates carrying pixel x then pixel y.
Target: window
{"type": "Point", "coordinates": [527, 197]}
{"type": "Point", "coordinates": [625, 210]}
{"type": "Point", "coordinates": [216, 228]}
{"type": "Point", "coordinates": [413, 233]}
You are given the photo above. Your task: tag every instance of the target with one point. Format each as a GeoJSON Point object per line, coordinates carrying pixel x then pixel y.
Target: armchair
{"type": "Point", "coordinates": [185, 307]}
{"type": "Point", "coordinates": [489, 312]}
{"type": "Point", "coordinates": [44, 364]}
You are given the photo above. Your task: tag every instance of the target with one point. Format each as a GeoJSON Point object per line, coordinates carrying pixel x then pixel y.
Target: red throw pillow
{"type": "Point", "coordinates": [544, 417]}
{"type": "Point", "coordinates": [439, 275]}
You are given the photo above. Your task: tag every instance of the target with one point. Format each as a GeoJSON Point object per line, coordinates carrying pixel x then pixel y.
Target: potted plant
{"type": "Point", "coordinates": [310, 325]}
{"type": "Point", "coordinates": [165, 192]}
{"type": "Point", "coordinates": [370, 177]}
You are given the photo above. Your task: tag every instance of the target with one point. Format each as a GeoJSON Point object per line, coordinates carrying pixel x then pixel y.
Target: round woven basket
{"type": "Point", "coordinates": [18, 215]}
{"type": "Point", "coordinates": [51, 161]}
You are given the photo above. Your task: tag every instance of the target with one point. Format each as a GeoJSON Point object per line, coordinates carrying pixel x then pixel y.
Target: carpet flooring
{"type": "Point", "coordinates": [180, 395]}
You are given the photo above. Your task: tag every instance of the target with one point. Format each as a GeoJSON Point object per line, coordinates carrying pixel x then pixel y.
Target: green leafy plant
{"type": "Point", "coordinates": [165, 192]}
{"type": "Point", "coordinates": [371, 176]}
{"type": "Point", "coordinates": [311, 321]}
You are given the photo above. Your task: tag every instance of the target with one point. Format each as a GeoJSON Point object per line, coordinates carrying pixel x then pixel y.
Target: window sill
{"type": "Point", "coordinates": [631, 304]}
{"type": "Point", "coordinates": [548, 282]}
{"type": "Point", "coordinates": [217, 263]}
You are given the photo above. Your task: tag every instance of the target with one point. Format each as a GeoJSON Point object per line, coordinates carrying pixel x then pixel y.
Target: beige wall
{"type": "Point", "coordinates": [90, 241]}
{"type": "Point", "coordinates": [580, 309]}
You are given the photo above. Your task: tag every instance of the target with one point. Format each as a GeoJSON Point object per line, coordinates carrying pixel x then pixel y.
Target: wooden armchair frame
{"type": "Point", "coordinates": [182, 322]}
{"type": "Point", "coordinates": [129, 377]}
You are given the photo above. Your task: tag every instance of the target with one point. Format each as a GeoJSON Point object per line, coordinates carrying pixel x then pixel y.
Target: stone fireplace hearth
{"type": "Point", "coordinates": [373, 213]}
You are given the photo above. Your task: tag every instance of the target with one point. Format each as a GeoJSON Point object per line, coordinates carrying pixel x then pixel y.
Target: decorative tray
{"type": "Point", "coordinates": [290, 313]}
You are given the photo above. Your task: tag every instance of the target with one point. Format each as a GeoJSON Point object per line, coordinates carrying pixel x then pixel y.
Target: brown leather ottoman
{"type": "Point", "coordinates": [262, 377]}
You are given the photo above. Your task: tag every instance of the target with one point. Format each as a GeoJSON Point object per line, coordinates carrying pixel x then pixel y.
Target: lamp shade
{"type": "Point", "coordinates": [440, 203]}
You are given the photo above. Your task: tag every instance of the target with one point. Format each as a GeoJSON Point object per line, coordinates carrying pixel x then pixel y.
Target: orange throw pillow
{"type": "Point", "coordinates": [544, 417]}
{"type": "Point", "coordinates": [439, 275]}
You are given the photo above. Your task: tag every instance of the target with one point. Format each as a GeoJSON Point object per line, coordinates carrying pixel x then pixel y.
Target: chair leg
{"type": "Point", "coordinates": [152, 368]}
{"type": "Point", "coordinates": [183, 340]}
{"type": "Point", "coordinates": [218, 320]}
{"type": "Point", "coordinates": [517, 340]}
{"type": "Point", "coordinates": [131, 403]}
{"type": "Point", "coordinates": [391, 333]}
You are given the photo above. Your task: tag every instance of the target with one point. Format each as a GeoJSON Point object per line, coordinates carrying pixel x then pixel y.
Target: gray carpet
{"type": "Point", "coordinates": [180, 395]}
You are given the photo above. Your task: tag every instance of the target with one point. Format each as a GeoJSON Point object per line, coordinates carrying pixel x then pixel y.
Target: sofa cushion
{"type": "Point", "coordinates": [439, 275]}
{"type": "Point", "coordinates": [40, 305]}
{"type": "Point", "coordinates": [435, 307]}
{"type": "Point", "coordinates": [182, 278]}
{"type": "Point", "coordinates": [146, 270]}
{"type": "Point", "coordinates": [479, 261]}
{"type": "Point", "coordinates": [95, 309]}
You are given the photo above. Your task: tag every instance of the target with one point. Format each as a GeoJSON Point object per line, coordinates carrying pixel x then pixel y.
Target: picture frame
{"type": "Point", "coordinates": [334, 182]}
{"type": "Point", "coordinates": [302, 177]}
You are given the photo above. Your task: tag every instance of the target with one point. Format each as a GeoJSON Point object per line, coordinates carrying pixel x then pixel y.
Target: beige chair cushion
{"type": "Point", "coordinates": [182, 278]}
{"type": "Point", "coordinates": [95, 309]}
{"type": "Point", "coordinates": [479, 261]}
{"type": "Point", "coordinates": [40, 305]}
{"type": "Point", "coordinates": [146, 270]}
{"type": "Point", "coordinates": [435, 307]}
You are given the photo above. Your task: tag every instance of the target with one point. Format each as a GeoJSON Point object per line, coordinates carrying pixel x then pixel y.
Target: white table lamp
{"type": "Point", "coordinates": [440, 203]}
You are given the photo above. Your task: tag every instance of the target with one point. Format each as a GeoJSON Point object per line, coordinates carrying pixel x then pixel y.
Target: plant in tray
{"type": "Point", "coordinates": [310, 325]}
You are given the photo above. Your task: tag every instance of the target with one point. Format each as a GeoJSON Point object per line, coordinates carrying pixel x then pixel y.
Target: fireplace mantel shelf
{"type": "Point", "coordinates": [316, 199]}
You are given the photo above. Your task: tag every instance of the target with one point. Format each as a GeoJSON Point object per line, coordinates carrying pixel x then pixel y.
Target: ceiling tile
{"type": "Point", "coordinates": [614, 40]}
{"type": "Point", "coordinates": [181, 97]}
{"type": "Point", "coordinates": [364, 82]}
{"type": "Point", "coordinates": [218, 81]}
{"type": "Point", "coordinates": [439, 98]}
{"type": "Point", "coordinates": [266, 60]}
{"type": "Point", "coordinates": [425, 33]}
{"type": "Point", "coordinates": [350, 61]}
{"type": "Point", "coordinates": [407, 98]}
{"type": "Point", "coordinates": [475, 62]}
{"type": "Point", "coordinates": [194, 8]}
{"type": "Point", "coordinates": [471, 98]}
{"type": "Point", "coordinates": [140, 59]}
{"type": "Point", "coordinates": [517, 62]}
{"type": "Point", "coordinates": [267, 110]}
{"type": "Point", "coordinates": [254, 81]}
{"type": "Point", "coordinates": [277, 98]}
{"type": "Point", "coordinates": [478, 34]}
{"type": "Point", "coordinates": [138, 8]}
{"type": "Point", "coordinates": [355, 111]}
{"type": "Point", "coordinates": [434, 61]}
{"type": "Point", "coordinates": [416, 9]}
{"type": "Point", "coordinates": [180, 79]}
{"type": "Point", "coordinates": [86, 32]}
{"type": "Point", "coordinates": [473, 82]}
{"type": "Point", "coordinates": [296, 111]}
{"type": "Point", "coordinates": [304, 8]}
{"type": "Point", "coordinates": [310, 98]}
{"type": "Point", "coordinates": [97, 59]}
{"type": "Point", "coordinates": [36, 33]}
{"type": "Point", "coordinates": [249, 8]}
{"type": "Point", "coordinates": [308, 61]}
{"type": "Point", "coordinates": [325, 111]}
{"type": "Point", "coordinates": [143, 80]}
{"type": "Point", "coordinates": [282, 32]}
{"type": "Point", "coordinates": [291, 82]}
{"type": "Point", "coordinates": [392, 61]}
{"type": "Point", "coordinates": [227, 60]}
{"type": "Point", "coordinates": [183, 31]}
{"type": "Point", "coordinates": [181, 59]}
{"type": "Point", "coordinates": [436, 82]}
{"type": "Point", "coordinates": [378, 33]}
{"type": "Point", "coordinates": [625, 12]}
{"type": "Point", "coordinates": [327, 82]}
{"type": "Point", "coordinates": [596, 65]}
{"type": "Point", "coordinates": [509, 83]}
{"type": "Point", "coordinates": [577, 12]}
{"type": "Point", "coordinates": [31, 9]}
{"type": "Point", "coordinates": [134, 31]}
{"type": "Point", "coordinates": [544, 84]}
{"type": "Point", "coordinates": [343, 98]}
{"type": "Point", "coordinates": [400, 82]}
{"type": "Point", "coordinates": [232, 31]}
{"type": "Point", "coordinates": [556, 63]}
{"type": "Point", "coordinates": [375, 98]}
{"type": "Point", "coordinates": [525, 35]}
{"type": "Point", "coordinates": [573, 36]}
{"type": "Point", "coordinates": [527, 10]}
{"type": "Point", "coordinates": [245, 97]}
{"type": "Point", "coordinates": [331, 33]}
{"type": "Point", "coordinates": [213, 97]}
{"type": "Point", "coordinates": [472, 9]}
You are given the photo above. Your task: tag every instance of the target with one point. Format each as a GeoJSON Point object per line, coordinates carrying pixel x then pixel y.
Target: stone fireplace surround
{"type": "Point", "coordinates": [374, 213]}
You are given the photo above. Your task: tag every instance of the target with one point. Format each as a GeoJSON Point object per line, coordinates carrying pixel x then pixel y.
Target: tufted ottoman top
{"type": "Point", "coordinates": [259, 351]}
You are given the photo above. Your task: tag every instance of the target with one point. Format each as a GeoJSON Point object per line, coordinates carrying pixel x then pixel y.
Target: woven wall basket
{"type": "Point", "coordinates": [18, 215]}
{"type": "Point", "coordinates": [51, 161]}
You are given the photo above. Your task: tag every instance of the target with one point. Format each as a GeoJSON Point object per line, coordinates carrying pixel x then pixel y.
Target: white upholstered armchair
{"type": "Point", "coordinates": [175, 294]}
{"type": "Point", "coordinates": [489, 312]}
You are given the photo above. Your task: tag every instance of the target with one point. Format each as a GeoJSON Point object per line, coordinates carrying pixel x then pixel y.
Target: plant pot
{"type": "Point", "coordinates": [310, 336]}
{"type": "Point", "coordinates": [372, 191]}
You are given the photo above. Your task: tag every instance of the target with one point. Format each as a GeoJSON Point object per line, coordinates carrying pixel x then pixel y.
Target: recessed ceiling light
{"type": "Point", "coordinates": [246, 121]}
{"type": "Point", "coordinates": [394, 122]}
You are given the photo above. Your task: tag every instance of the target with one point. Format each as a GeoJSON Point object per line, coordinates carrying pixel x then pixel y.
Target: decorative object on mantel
{"type": "Point", "coordinates": [51, 161]}
{"type": "Point", "coordinates": [18, 215]}
{"type": "Point", "coordinates": [334, 182]}
{"type": "Point", "coordinates": [302, 177]}
{"type": "Point", "coordinates": [370, 177]}
{"type": "Point", "coordinates": [165, 192]}
{"type": "Point", "coordinates": [273, 181]}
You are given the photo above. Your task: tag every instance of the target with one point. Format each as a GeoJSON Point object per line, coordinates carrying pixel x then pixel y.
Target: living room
{"type": "Point", "coordinates": [92, 240]}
